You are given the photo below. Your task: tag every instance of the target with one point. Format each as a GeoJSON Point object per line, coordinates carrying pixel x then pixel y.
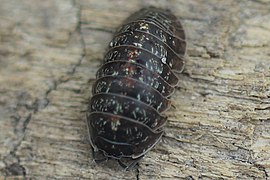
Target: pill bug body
{"type": "Point", "coordinates": [133, 87]}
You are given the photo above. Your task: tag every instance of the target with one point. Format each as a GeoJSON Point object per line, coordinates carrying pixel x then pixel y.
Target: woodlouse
{"type": "Point", "coordinates": [133, 87]}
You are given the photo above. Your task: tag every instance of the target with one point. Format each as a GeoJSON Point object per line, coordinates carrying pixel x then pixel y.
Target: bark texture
{"type": "Point", "coordinates": [50, 51]}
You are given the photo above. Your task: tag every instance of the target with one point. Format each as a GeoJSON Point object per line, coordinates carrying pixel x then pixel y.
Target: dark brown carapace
{"type": "Point", "coordinates": [133, 87]}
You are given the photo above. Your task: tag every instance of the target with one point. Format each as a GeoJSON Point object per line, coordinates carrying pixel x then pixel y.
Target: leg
{"type": "Point", "coordinates": [131, 165]}
{"type": "Point", "coordinates": [98, 160]}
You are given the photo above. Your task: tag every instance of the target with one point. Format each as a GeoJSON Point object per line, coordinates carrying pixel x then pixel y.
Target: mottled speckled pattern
{"type": "Point", "coordinates": [135, 71]}
{"type": "Point", "coordinates": [132, 88]}
{"type": "Point", "coordinates": [144, 57]}
{"type": "Point", "coordinates": [128, 107]}
{"type": "Point", "coordinates": [135, 83]}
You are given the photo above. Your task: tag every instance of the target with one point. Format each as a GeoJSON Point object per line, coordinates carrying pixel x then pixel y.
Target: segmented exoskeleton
{"type": "Point", "coordinates": [134, 85]}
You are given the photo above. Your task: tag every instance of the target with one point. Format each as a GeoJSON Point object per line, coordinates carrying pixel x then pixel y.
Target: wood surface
{"type": "Point", "coordinates": [50, 51]}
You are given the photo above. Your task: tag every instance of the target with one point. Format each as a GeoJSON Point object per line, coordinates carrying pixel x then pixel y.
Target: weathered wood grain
{"type": "Point", "coordinates": [50, 51]}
